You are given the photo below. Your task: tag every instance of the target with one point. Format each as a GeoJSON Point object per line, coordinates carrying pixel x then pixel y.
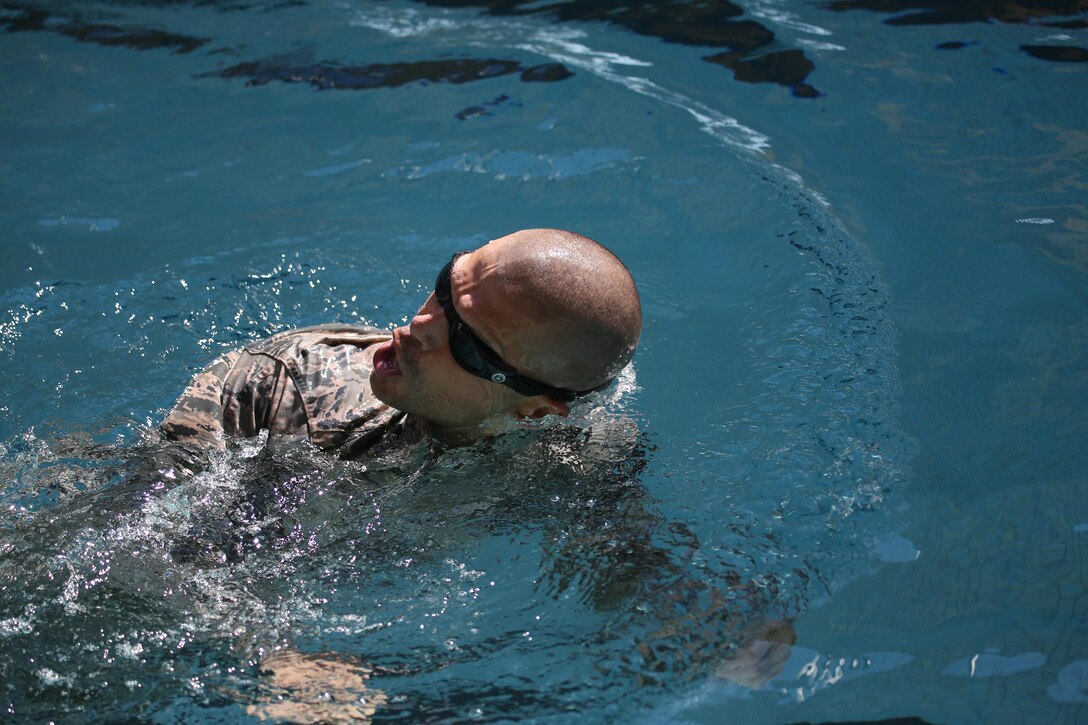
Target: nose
{"type": "Point", "coordinates": [428, 328]}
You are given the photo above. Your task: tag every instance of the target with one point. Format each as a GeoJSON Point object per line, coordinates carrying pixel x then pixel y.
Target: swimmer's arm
{"type": "Point", "coordinates": [196, 420]}
{"type": "Point", "coordinates": [621, 552]}
{"type": "Point", "coordinates": [761, 655]}
{"type": "Point", "coordinates": [306, 688]}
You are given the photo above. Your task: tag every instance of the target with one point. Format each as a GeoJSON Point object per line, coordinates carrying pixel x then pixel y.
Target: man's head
{"type": "Point", "coordinates": [553, 306]}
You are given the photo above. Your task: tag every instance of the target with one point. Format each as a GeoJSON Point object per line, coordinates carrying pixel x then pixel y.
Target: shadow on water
{"type": "Point", "coordinates": [326, 75]}
{"type": "Point", "coordinates": [751, 53]}
{"type": "Point", "coordinates": [1064, 14]}
{"type": "Point", "coordinates": [954, 12]}
{"type": "Point", "coordinates": [323, 75]}
{"type": "Point", "coordinates": [26, 20]}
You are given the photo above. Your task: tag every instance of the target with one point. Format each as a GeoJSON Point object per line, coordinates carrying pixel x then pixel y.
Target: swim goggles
{"type": "Point", "coordinates": [477, 357]}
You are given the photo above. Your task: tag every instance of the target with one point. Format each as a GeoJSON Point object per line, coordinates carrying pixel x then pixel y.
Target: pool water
{"type": "Point", "coordinates": [860, 236]}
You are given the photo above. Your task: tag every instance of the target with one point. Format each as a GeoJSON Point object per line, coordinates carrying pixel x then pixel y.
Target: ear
{"type": "Point", "coordinates": [539, 406]}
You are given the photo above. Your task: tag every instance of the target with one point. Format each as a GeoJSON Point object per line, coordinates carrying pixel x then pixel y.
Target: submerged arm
{"type": "Point", "coordinates": [623, 556]}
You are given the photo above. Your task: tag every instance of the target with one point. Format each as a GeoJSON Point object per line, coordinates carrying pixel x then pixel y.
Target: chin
{"type": "Point", "coordinates": [394, 395]}
{"type": "Point", "coordinates": [381, 389]}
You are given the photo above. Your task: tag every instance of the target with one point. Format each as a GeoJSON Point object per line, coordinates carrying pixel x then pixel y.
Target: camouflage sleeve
{"type": "Point", "coordinates": [197, 417]}
{"type": "Point", "coordinates": [238, 394]}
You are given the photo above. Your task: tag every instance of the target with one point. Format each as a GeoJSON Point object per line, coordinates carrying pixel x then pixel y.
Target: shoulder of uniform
{"type": "Point", "coordinates": [338, 328]}
{"type": "Point", "coordinates": [329, 334]}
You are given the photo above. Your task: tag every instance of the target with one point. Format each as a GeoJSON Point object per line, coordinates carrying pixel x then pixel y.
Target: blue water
{"type": "Point", "coordinates": [857, 405]}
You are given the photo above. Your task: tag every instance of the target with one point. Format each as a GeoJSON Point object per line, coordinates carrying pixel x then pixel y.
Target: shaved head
{"type": "Point", "coordinates": [575, 303]}
{"type": "Point", "coordinates": [559, 312]}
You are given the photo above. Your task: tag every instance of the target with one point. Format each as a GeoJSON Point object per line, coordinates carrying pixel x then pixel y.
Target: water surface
{"type": "Point", "coordinates": [857, 405]}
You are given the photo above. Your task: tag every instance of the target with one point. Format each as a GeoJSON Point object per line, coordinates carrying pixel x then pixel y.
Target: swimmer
{"type": "Point", "coordinates": [514, 331]}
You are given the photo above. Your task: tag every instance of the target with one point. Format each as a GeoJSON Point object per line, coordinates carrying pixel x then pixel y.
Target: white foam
{"type": "Point", "coordinates": [819, 44]}
{"type": "Point", "coordinates": [769, 10]}
{"type": "Point", "coordinates": [563, 45]}
{"type": "Point", "coordinates": [403, 22]}
{"type": "Point", "coordinates": [50, 677]}
{"type": "Point", "coordinates": [560, 45]}
{"type": "Point", "coordinates": [103, 224]}
{"type": "Point", "coordinates": [519, 165]}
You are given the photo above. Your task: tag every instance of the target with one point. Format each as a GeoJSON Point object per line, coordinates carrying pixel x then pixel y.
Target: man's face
{"type": "Point", "coordinates": [415, 371]}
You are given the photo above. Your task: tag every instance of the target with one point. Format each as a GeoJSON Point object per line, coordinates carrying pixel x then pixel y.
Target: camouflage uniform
{"type": "Point", "coordinates": [312, 383]}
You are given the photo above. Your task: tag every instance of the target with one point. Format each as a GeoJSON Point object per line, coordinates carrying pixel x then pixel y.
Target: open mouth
{"type": "Point", "coordinates": [385, 360]}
